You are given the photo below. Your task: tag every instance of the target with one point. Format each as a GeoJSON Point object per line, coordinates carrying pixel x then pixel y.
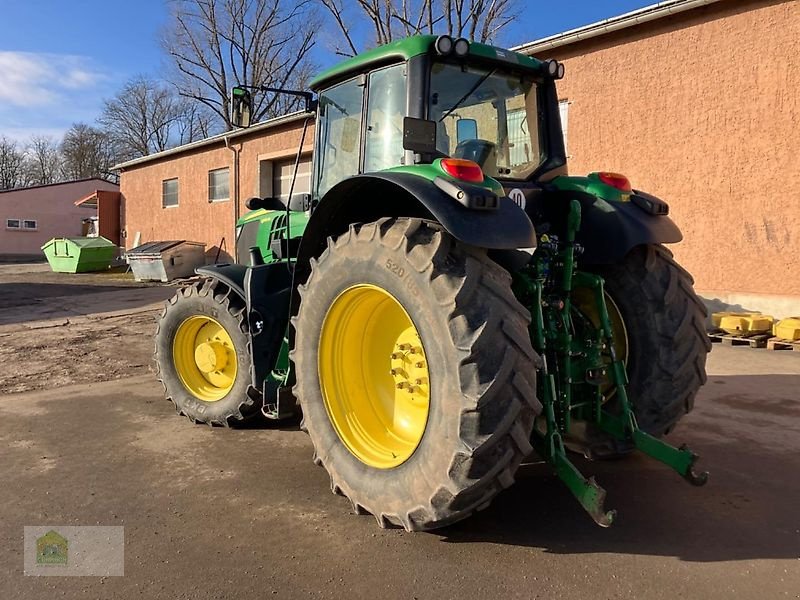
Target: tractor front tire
{"type": "Point", "coordinates": [202, 357]}
{"type": "Point", "coordinates": [415, 373]}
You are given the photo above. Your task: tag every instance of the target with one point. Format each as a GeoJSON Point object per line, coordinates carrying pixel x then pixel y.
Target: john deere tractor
{"type": "Point", "coordinates": [447, 301]}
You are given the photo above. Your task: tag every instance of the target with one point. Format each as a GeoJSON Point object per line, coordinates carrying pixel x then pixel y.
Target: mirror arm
{"type": "Point", "coordinates": [310, 101]}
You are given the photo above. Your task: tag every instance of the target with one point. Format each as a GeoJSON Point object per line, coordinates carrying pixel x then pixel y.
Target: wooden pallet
{"type": "Point", "coordinates": [779, 344]}
{"type": "Point", "coordinates": [757, 340]}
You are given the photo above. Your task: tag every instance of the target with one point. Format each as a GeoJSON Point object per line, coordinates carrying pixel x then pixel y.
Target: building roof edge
{"type": "Point", "coordinates": [220, 137]}
{"type": "Point", "coordinates": [624, 21]}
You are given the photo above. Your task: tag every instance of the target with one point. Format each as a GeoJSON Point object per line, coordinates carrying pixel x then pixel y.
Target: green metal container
{"type": "Point", "coordinates": [79, 254]}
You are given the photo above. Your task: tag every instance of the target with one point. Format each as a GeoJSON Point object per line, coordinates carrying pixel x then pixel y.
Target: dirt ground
{"type": "Point", "coordinates": [58, 329]}
{"type": "Point", "coordinates": [221, 513]}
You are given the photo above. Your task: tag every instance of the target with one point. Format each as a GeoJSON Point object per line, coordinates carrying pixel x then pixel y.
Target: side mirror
{"type": "Point", "coordinates": [241, 107]}
{"type": "Point", "coordinates": [466, 129]}
{"type": "Point", "coordinates": [419, 135]}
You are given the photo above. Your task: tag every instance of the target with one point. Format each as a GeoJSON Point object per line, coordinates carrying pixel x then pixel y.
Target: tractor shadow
{"type": "Point", "coordinates": [22, 302]}
{"type": "Point", "coordinates": [747, 432]}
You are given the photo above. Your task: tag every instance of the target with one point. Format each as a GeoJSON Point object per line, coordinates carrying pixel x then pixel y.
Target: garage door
{"type": "Point", "coordinates": [282, 171]}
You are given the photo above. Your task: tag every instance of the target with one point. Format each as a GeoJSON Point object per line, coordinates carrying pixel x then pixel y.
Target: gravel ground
{"type": "Point", "coordinates": [59, 329]}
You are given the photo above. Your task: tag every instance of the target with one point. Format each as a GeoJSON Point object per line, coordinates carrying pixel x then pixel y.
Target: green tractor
{"type": "Point", "coordinates": [447, 300]}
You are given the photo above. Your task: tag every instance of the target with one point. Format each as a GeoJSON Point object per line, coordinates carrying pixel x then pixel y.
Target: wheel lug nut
{"type": "Point", "coordinates": [396, 355]}
{"type": "Point", "coordinates": [419, 365]}
{"type": "Point", "coordinates": [411, 389]}
{"type": "Point", "coordinates": [401, 385]}
{"type": "Point", "coordinates": [418, 381]}
{"type": "Point", "coordinates": [394, 372]}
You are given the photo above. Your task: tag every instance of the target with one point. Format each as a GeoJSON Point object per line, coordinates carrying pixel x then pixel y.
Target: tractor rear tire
{"type": "Point", "coordinates": [666, 341]}
{"type": "Point", "coordinates": [211, 315]}
{"type": "Point", "coordinates": [480, 403]}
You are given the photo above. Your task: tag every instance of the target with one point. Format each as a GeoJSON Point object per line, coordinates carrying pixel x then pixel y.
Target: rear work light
{"type": "Point", "coordinates": [462, 169]}
{"type": "Point", "coordinates": [461, 47]}
{"type": "Point", "coordinates": [616, 180]}
{"type": "Point", "coordinates": [444, 45]}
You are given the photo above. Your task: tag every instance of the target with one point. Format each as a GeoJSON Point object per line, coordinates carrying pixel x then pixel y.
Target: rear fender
{"type": "Point", "coordinates": [368, 197]}
{"type": "Point", "coordinates": [609, 228]}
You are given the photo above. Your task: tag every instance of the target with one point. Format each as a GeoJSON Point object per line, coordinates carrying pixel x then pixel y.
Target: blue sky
{"type": "Point", "coordinates": [60, 58]}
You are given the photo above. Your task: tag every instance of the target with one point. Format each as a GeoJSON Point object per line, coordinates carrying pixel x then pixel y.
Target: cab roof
{"type": "Point", "coordinates": [409, 47]}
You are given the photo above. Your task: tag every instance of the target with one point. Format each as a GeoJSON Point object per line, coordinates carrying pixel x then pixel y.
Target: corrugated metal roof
{"type": "Point", "coordinates": [214, 139]}
{"type": "Point", "coordinates": [630, 19]}
{"type": "Point", "coordinates": [44, 185]}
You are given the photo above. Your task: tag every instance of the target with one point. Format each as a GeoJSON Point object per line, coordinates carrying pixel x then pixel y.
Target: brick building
{"type": "Point", "coordinates": [197, 191]}
{"type": "Point", "coordinates": [695, 100]}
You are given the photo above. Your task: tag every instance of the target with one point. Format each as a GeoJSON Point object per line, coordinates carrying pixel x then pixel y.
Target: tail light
{"type": "Point", "coordinates": [465, 170]}
{"type": "Point", "coordinates": [615, 180]}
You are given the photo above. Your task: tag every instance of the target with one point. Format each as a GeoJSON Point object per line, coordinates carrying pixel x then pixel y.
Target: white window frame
{"type": "Point", "coordinates": [563, 112]}
{"type": "Point", "coordinates": [210, 188]}
{"type": "Point", "coordinates": [26, 228]}
{"type": "Point", "coordinates": [177, 193]}
{"type": "Point", "coordinates": [11, 227]}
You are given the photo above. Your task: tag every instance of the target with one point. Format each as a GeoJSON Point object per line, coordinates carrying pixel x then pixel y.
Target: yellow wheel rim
{"type": "Point", "coordinates": [373, 375]}
{"type": "Point", "coordinates": [205, 358]}
{"type": "Point", "coordinates": [583, 299]}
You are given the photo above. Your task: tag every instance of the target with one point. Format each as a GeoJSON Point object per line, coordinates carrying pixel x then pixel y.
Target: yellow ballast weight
{"type": "Point", "coordinates": [787, 329]}
{"type": "Point", "coordinates": [742, 323]}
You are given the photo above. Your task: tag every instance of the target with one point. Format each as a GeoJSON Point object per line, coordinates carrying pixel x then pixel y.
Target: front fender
{"type": "Point", "coordinates": [231, 275]}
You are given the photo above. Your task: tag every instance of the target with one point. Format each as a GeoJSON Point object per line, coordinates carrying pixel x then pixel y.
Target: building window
{"type": "Point", "coordinates": [282, 172]}
{"type": "Point", "coordinates": [12, 224]}
{"type": "Point", "coordinates": [563, 111]}
{"type": "Point", "coordinates": [219, 185]}
{"type": "Point", "coordinates": [30, 225]}
{"type": "Point", "coordinates": [169, 192]}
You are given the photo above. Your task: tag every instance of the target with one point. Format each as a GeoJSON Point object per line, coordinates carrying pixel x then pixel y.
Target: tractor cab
{"type": "Point", "coordinates": [493, 107]}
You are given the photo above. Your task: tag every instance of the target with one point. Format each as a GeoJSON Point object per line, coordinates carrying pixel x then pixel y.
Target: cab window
{"type": "Point", "coordinates": [338, 134]}
{"type": "Point", "coordinates": [385, 111]}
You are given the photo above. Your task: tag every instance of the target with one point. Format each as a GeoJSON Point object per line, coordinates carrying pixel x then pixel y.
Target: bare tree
{"type": "Point", "coordinates": [86, 152]}
{"type": "Point", "coordinates": [12, 164]}
{"type": "Point", "coordinates": [216, 44]}
{"type": "Point", "coordinates": [480, 20]}
{"type": "Point", "coordinates": [43, 162]}
{"type": "Point", "coordinates": [196, 122]}
{"type": "Point", "coordinates": [141, 117]}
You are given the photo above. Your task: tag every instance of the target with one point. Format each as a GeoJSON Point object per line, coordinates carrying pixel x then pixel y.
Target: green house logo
{"type": "Point", "coordinates": [51, 549]}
